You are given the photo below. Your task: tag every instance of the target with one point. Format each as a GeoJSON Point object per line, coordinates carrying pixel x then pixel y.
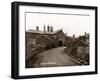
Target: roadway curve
{"type": "Point", "coordinates": [53, 57]}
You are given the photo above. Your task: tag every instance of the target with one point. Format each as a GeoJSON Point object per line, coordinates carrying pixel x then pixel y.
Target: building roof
{"type": "Point", "coordinates": [42, 32]}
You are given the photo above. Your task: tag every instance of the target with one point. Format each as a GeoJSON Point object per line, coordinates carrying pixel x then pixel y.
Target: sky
{"type": "Point", "coordinates": [70, 23]}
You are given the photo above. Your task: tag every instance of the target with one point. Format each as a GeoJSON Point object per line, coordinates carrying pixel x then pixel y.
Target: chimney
{"type": "Point", "coordinates": [44, 29]}
{"type": "Point", "coordinates": [51, 29]}
{"type": "Point", "coordinates": [73, 35]}
{"type": "Point", "coordinates": [37, 28]}
{"type": "Point", "coordinates": [85, 33]}
{"type": "Point", "coordinates": [48, 28]}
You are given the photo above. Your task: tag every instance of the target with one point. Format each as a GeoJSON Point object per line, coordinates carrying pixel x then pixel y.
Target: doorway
{"type": "Point", "coordinates": [60, 43]}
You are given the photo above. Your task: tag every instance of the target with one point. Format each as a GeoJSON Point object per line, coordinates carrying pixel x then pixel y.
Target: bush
{"type": "Point", "coordinates": [74, 51]}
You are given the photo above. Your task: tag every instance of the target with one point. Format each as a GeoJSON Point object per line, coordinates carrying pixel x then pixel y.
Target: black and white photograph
{"type": "Point", "coordinates": [51, 40]}
{"type": "Point", "coordinates": [57, 39]}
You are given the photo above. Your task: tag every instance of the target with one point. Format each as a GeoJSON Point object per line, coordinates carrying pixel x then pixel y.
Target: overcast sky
{"type": "Point", "coordinates": [71, 24]}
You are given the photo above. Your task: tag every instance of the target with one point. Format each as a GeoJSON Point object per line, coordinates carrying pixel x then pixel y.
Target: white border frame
{"type": "Point", "coordinates": [53, 70]}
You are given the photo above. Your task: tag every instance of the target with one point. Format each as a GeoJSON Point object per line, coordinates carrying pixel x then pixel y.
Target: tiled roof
{"type": "Point", "coordinates": [42, 32]}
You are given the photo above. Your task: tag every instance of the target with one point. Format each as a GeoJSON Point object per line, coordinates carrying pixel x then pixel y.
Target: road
{"type": "Point", "coordinates": [53, 57]}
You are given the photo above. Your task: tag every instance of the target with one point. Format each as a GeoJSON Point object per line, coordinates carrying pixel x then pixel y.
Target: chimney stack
{"type": "Point", "coordinates": [44, 29]}
{"type": "Point", "coordinates": [73, 35]}
{"type": "Point", "coordinates": [48, 28]}
{"type": "Point", "coordinates": [51, 29]}
{"type": "Point", "coordinates": [85, 33]}
{"type": "Point", "coordinates": [37, 28]}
